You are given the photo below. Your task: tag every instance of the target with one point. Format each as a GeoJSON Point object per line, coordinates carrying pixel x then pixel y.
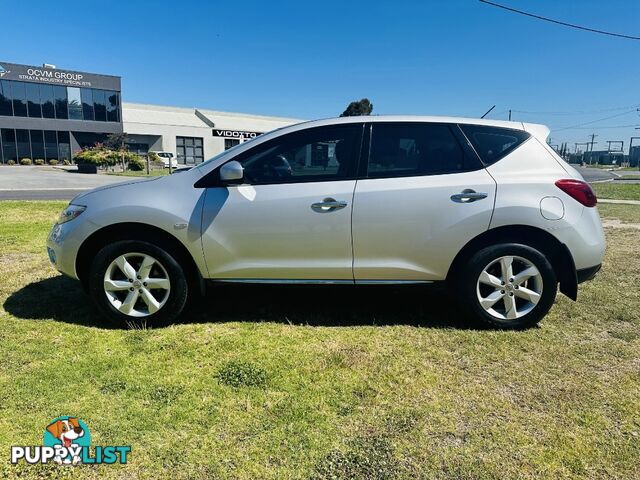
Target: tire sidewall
{"type": "Point", "coordinates": [177, 294]}
{"type": "Point", "coordinates": [484, 257]}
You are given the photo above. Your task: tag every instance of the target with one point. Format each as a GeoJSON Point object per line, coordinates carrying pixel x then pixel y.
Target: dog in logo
{"type": "Point", "coordinates": [67, 431]}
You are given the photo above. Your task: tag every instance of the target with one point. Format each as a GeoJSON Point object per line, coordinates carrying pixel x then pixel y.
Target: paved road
{"type": "Point", "coordinates": [47, 183]}
{"type": "Point", "coordinates": [595, 174]}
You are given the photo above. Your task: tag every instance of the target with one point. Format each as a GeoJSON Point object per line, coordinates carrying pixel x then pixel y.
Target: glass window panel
{"type": "Point", "coordinates": [75, 103]}
{"type": "Point", "coordinates": [179, 140]}
{"type": "Point", "coordinates": [189, 141]}
{"type": "Point", "coordinates": [87, 103]}
{"type": "Point", "coordinates": [64, 146]}
{"type": "Point", "coordinates": [50, 145]}
{"type": "Point", "coordinates": [99, 107]}
{"type": "Point", "coordinates": [19, 95]}
{"type": "Point", "coordinates": [47, 101]}
{"type": "Point", "coordinates": [230, 143]}
{"type": "Point", "coordinates": [197, 142]}
{"type": "Point", "coordinates": [9, 144]}
{"type": "Point", "coordinates": [33, 100]}
{"type": "Point", "coordinates": [112, 106]}
{"type": "Point", "coordinates": [315, 155]}
{"type": "Point", "coordinates": [493, 143]}
{"type": "Point", "coordinates": [414, 149]}
{"type": "Point", "coordinates": [23, 144]}
{"type": "Point", "coordinates": [60, 96]}
{"type": "Point", "coordinates": [37, 144]}
{"type": "Point", "coordinates": [6, 107]}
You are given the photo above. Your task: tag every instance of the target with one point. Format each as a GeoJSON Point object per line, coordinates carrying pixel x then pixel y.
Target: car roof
{"type": "Point", "coordinates": [540, 131]}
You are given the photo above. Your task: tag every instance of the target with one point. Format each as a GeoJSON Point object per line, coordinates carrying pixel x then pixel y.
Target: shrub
{"type": "Point", "coordinates": [53, 162]}
{"type": "Point", "coordinates": [25, 161]}
{"type": "Point", "coordinates": [11, 162]}
{"type": "Point", "coordinates": [135, 163]}
{"type": "Point", "coordinates": [97, 155]}
{"type": "Point", "coordinates": [38, 161]}
{"type": "Point", "coordinates": [154, 157]}
{"type": "Point", "coordinates": [66, 162]}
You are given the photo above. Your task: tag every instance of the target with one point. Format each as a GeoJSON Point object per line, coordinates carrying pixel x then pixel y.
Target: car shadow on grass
{"type": "Point", "coordinates": [63, 299]}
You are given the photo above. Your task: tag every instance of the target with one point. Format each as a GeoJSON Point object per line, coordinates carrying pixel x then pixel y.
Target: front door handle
{"type": "Point", "coordinates": [328, 205]}
{"type": "Point", "coordinates": [467, 196]}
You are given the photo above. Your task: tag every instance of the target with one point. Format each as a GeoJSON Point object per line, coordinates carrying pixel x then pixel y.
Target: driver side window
{"type": "Point", "coordinates": [315, 155]}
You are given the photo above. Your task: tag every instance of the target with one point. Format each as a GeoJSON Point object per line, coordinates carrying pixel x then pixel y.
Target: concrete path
{"type": "Point", "coordinates": [49, 183]}
{"type": "Point", "coordinates": [624, 202]}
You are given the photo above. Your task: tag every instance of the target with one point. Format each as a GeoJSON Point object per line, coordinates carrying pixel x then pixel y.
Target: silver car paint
{"type": "Point", "coordinates": [271, 232]}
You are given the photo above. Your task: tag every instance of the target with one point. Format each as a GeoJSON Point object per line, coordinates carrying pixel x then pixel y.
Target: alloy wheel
{"type": "Point", "coordinates": [136, 284]}
{"type": "Point", "coordinates": [509, 287]}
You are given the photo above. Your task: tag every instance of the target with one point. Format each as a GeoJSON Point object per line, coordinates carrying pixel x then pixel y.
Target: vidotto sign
{"type": "Point", "coordinates": [55, 76]}
{"type": "Point", "coordinates": [235, 133]}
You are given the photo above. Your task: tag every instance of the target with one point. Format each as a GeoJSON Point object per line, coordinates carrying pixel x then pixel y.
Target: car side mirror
{"type": "Point", "coordinates": [232, 172]}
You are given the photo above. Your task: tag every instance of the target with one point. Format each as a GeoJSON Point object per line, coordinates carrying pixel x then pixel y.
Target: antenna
{"type": "Point", "coordinates": [488, 111]}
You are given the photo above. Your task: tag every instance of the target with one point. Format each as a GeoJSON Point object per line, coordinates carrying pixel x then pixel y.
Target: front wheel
{"type": "Point", "coordinates": [136, 283]}
{"type": "Point", "coordinates": [509, 286]}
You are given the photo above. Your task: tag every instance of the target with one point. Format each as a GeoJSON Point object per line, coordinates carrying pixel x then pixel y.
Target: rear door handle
{"type": "Point", "coordinates": [467, 196]}
{"type": "Point", "coordinates": [328, 205]}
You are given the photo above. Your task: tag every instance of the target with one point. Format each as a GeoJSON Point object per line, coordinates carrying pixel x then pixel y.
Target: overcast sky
{"type": "Point", "coordinates": [309, 59]}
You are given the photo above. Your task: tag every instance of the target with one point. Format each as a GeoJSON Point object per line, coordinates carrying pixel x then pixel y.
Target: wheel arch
{"type": "Point", "coordinates": [136, 231]}
{"type": "Point", "coordinates": [556, 252]}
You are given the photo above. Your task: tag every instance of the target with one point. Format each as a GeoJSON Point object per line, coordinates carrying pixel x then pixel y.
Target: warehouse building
{"type": "Point", "coordinates": [50, 113]}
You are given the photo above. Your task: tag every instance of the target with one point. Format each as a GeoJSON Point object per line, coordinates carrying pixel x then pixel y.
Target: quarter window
{"type": "Point", "coordinates": [493, 143]}
{"type": "Point", "coordinates": [314, 155]}
{"type": "Point", "coordinates": [400, 149]}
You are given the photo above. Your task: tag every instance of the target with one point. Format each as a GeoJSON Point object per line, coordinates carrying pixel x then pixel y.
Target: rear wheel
{"type": "Point", "coordinates": [509, 286]}
{"type": "Point", "coordinates": [135, 282]}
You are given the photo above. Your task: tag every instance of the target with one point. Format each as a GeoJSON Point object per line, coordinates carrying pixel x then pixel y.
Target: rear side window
{"type": "Point", "coordinates": [493, 143]}
{"type": "Point", "coordinates": [402, 150]}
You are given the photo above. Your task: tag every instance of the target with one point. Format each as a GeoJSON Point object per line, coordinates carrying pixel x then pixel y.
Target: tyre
{"type": "Point", "coordinates": [510, 286]}
{"type": "Point", "coordinates": [137, 283]}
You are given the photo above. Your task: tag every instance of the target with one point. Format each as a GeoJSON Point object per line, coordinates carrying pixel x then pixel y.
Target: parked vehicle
{"type": "Point", "coordinates": [168, 158]}
{"type": "Point", "coordinates": [486, 207]}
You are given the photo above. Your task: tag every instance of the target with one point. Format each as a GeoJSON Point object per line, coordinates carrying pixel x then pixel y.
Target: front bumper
{"type": "Point", "coordinates": [63, 244]}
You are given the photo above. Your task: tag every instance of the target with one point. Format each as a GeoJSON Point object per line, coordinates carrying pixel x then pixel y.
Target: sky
{"type": "Point", "coordinates": [310, 59]}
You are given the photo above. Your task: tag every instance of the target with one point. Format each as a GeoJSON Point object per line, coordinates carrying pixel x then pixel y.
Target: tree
{"type": "Point", "coordinates": [117, 141]}
{"type": "Point", "coordinates": [361, 107]}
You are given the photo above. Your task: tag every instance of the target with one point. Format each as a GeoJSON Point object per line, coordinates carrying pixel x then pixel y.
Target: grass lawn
{"type": "Point", "coordinates": [158, 172]}
{"type": "Point", "coordinates": [617, 191]}
{"type": "Point", "coordinates": [323, 383]}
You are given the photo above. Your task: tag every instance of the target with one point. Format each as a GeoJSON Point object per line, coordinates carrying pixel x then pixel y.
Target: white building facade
{"type": "Point", "coordinates": [191, 134]}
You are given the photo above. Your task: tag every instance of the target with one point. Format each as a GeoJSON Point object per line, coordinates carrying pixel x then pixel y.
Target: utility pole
{"type": "Point", "coordinates": [593, 136]}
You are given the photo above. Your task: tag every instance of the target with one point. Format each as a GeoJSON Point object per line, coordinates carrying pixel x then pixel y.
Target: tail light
{"type": "Point", "coordinates": [579, 190]}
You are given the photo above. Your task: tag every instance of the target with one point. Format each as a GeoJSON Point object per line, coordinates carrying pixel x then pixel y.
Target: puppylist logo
{"type": "Point", "coordinates": [3, 72]}
{"type": "Point", "coordinates": [66, 442]}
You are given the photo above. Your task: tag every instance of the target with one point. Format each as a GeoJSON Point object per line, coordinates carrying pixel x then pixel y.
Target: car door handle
{"type": "Point", "coordinates": [328, 205]}
{"type": "Point", "coordinates": [468, 196]}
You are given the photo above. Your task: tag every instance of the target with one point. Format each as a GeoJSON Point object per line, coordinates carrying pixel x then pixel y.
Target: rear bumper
{"type": "Point", "coordinates": [586, 274]}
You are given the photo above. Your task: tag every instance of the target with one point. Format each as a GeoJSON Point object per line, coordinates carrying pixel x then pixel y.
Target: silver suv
{"type": "Point", "coordinates": [485, 206]}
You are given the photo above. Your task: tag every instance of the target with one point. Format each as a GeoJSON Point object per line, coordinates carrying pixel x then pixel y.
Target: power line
{"type": "Point", "coordinates": [578, 112]}
{"type": "Point", "coordinates": [570, 127]}
{"type": "Point", "coordinates": [558, 22]}
{"type": "Point", "coordinates": [599, 128]}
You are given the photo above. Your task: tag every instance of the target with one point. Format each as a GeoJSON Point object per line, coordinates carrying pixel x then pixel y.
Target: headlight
{"type": "Point", "coordinates": [71, 212]}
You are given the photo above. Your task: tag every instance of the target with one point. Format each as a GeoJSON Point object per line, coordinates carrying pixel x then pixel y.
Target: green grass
{"type": "Point", "coordinates": [159, 172]}
{"type": "Point", "coordinates": [322, 383]}
{"type": "Point", "coordinates": [617, 191]}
